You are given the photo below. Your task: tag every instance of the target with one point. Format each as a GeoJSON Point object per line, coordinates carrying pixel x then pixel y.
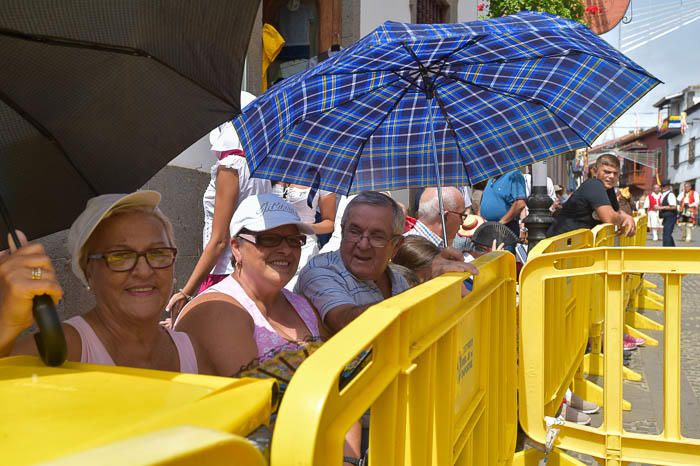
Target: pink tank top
{"type": "Point", "coordinates": [94, 352]}
{"type": "Point", "coordinates": [266, 338]}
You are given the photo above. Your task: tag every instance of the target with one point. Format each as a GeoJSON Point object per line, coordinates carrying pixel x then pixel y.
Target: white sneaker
{"type": "Point", "coordinates": [570, 414]}
{"type": "Point", "coordinates": [585, 406]}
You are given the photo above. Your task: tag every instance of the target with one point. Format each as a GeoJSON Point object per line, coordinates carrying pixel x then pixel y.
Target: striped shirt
{"type": "Point", "coordinates": [420, 229]}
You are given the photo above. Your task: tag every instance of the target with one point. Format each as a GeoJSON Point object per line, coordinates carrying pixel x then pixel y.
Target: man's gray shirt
{"type": "Point", "coordinates": [327, 283]}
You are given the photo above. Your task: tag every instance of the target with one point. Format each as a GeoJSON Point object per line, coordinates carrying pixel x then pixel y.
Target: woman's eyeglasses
{"type": "Point", "coordinates": [271, 240]}
{"type": "Point", "coordinates": [124, 261]}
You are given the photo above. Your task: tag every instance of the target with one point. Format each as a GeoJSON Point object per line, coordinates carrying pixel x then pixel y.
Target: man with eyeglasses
{"type": "Point", "coordinates": [429, 223]}
{"type": "Point", "coordinates": [342, 284]}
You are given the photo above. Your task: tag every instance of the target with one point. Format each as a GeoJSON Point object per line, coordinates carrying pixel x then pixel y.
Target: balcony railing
{"type": "Point", "coordinates": [670, 127]}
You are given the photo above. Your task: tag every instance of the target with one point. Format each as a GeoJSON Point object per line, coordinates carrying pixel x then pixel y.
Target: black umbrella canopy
{"type": "Point", "coordinates": [96, 96]}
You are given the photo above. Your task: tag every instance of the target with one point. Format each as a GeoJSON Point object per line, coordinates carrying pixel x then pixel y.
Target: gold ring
{"type": "Point", "coordinates": [36, 273]}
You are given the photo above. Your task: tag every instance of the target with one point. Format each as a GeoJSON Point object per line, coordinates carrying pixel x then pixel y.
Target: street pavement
{"type": "Point", "coordinates": [646, 396]}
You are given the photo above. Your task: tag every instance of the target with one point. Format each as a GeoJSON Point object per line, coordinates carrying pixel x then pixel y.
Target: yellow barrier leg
{"type": "Point", "coordinates": [532, 457]}
{"type": "Point", "coordinates": [647, 301]}
{"type": "Point", "coordinates": [637, 320]}
{"type": "Point", "coordinates": [650, 341]}
{"type": "Point", "coordinates": [648, 285]}
{"type": "Point", "coordinates": [593, 365]}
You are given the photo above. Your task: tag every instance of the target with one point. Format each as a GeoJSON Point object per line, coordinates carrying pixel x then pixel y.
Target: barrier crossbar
{"type": "Point", "coordinates": [440, 386]}
{"type": "Point", "coordinates": [610, 443]}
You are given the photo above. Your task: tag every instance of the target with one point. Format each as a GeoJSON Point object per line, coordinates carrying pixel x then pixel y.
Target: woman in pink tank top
{"type": "Point", "coordinates": [122, 247]}
{"type": "Point", "coordinates": [249, 314]}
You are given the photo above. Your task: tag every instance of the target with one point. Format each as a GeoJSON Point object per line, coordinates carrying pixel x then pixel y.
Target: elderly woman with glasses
{"type": "Point", "coordinates": [122, 249]}
{"type": "Point", "coordinates": [249, 315]}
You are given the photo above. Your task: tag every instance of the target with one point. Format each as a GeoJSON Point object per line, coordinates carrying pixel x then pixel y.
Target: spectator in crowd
{"type": "Point", "coordinates": [491, 236]}
{"type": "Point", "coordinates": [465, 233]}
{"type": "Point", "coordinates": [594, 202]}
{"type": "Point", "coordinates": [416, 254]}
{"type": "Point", "coordinates": [414, 258]}
{"type": "Point", "coordinates": [123, 249]}
{"type": "Point", "coordinates": [466, 195]}
{"type": "Point", "coordinates": [297, 196]}
{"type": "Point", "coordinates": [504, 199]}
{"type": "Point", "coordinates": [688, 201]}
{"type": "Point", "coordinates": [651, 203]}
{"type": "Point", "coordinates": [429, 221]}
{"type": "Point", "coordinates": [477, 194]}
{"type": "Point", "coordinates": [230, 184]}
{"type": "Point", "coordinates": [249, 314]}
{"type": "Point", "coordinates": [342, 284]}
{"type": "Point", "coordinates": [668, 211]}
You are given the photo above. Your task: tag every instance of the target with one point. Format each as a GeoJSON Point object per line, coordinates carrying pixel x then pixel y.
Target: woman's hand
{"type": "Point", "coordinates": [175, 305]}
{"type": "Point", "coordinates": [24, 273]}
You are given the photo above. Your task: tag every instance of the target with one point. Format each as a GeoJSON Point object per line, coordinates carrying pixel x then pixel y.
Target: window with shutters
{"type": "Point", "coordinates": [676, 156]}
{"type": "Point", "coordinates": [691, 150]}
{"type": "Point", "coordinates": [431, 11]}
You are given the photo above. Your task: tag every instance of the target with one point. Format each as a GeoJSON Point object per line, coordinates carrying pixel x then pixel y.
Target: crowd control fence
{"type": "Point", "coordinates": [568, 301]}
{"type": "Point", "coordinates": [440, 387]}
{"type": "Point", "coordinates": [610, 443]}
{"type": "Point", "coordinates": [593, 363]}
{"type": "Point", "coordinates": [86, 414]}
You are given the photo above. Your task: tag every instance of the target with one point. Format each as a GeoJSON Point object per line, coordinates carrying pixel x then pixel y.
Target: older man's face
{"type": "Point", "coordinates": [368, 242]}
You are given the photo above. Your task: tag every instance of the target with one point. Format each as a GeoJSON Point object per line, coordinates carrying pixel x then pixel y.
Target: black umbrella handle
{"type": "Point", "coordinates": [50, 341]}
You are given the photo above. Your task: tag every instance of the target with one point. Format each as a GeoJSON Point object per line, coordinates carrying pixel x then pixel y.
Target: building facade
{"type": "Point", "coordinates": [680, 128]}
{"type": "Point", "coordinates": [643, 159]}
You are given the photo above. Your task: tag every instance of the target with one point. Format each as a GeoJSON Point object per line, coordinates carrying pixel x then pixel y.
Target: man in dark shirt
{"type": "Point", "coordinates": [594, 202]}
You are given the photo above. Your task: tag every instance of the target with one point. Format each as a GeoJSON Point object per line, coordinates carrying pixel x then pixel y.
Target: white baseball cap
{"type": "Point", "coordinates": [96, 210]}
{"type": "Point", "coordinates": [265, 212]}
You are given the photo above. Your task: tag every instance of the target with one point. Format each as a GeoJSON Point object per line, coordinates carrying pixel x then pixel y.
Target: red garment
{"type": "Point", "coordinates": [690, 212]}
{"type": "Point", "coordinates": [653, 202]}
{"type": "Point", "coordinates": [409, 223]}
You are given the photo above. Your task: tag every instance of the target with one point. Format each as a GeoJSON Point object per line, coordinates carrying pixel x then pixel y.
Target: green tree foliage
{"type": "Point", "coordinates": [572, 9]}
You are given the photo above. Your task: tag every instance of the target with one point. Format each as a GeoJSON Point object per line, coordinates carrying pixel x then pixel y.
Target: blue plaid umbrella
{"type": "Point", "coordinates": [440, 104]}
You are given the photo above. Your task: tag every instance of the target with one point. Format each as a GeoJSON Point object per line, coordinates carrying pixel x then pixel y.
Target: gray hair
{"type": "Point", "coordinates": [429, 208]}
{"type": "Point", "coordinates": [378, 199]}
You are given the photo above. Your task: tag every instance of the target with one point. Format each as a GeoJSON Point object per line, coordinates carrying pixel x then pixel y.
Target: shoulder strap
{"type": "Point", "coordinates": [185, 351]}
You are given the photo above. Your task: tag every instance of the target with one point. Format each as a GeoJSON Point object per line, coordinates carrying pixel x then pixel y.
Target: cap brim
{"type": "Point", "coordinates": [303, 228]}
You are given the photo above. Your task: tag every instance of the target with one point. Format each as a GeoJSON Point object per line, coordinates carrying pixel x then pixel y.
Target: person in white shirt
{"type": "Point", "coordinates": [230, 184]}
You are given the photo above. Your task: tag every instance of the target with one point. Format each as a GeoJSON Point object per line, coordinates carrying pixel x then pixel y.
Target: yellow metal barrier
{"type": "Point", "coordinates": [440, 386]}
{"type": "Point", "coordinates": [603, 235]}
{"type": "Point", "coordinates": [610, 443]}
{"type": "Point", "coordinates": [577, 239]}
{"type": "Point", "coordinates": [567, 317]}
{"type": "Point", "coordinates": [53, 413]}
